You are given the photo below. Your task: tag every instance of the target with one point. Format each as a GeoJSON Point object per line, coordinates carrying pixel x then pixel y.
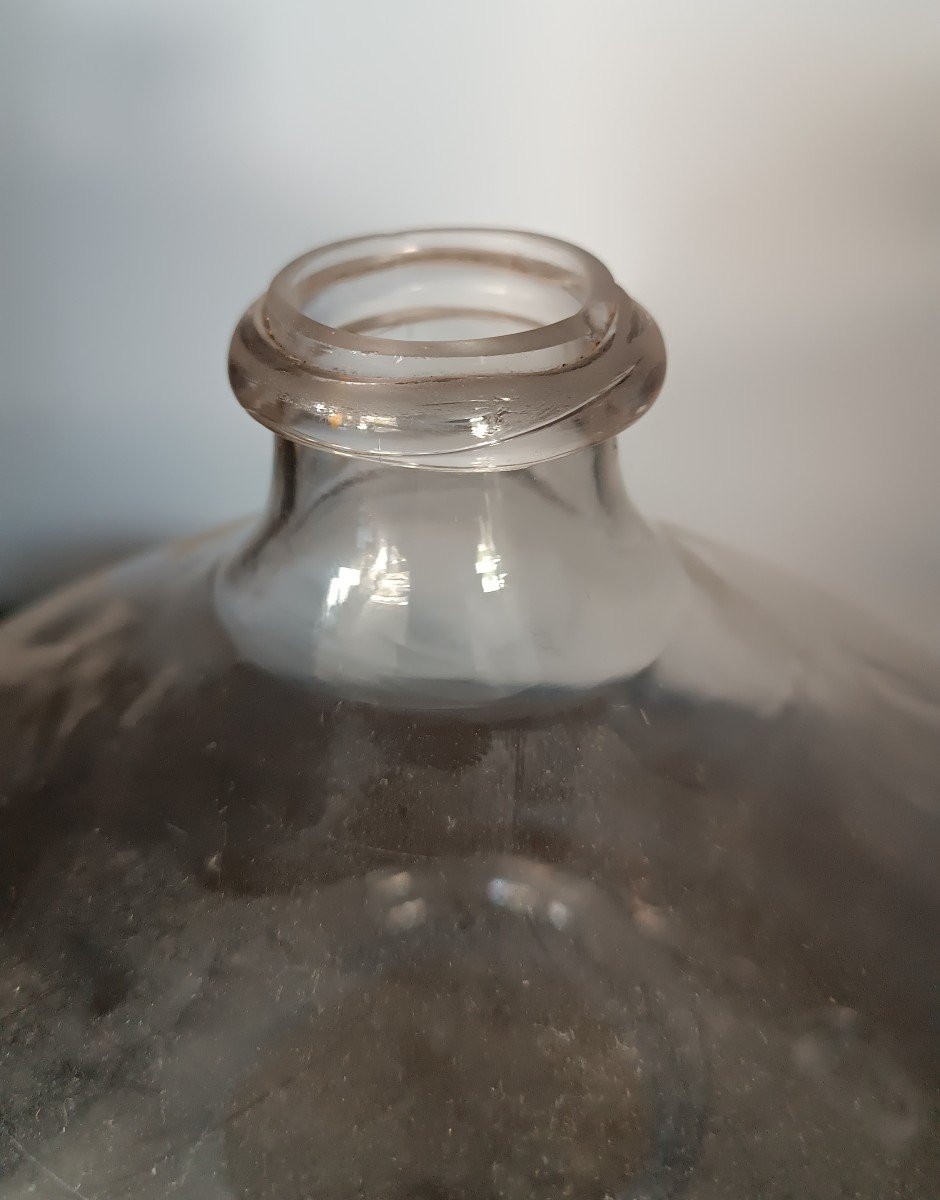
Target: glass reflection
{"type": "Point", "coordinates": [488, 562]}
{"type": "Point", "coordinates": [385, 580]}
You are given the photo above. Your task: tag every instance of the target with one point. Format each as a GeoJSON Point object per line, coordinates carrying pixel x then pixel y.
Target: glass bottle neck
{"type": "Point", "coordinates": [464, 349]}
{"type": "Point", "coordinates": [439, 589]}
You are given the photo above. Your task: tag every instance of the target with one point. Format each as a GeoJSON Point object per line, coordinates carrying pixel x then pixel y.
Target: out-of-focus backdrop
{"type": "Point", "coordinates": [765, 177]}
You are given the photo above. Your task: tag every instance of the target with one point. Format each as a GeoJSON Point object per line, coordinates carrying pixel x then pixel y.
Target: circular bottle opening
{"type": "Point", "coordinates": [439, 303]}
{"type": "Point", "coordinates": [469, 349]}
{"type": "Point", "coordinates": [439, 297]}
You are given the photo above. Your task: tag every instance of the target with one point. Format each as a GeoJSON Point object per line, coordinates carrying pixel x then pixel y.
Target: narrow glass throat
{"type": "Point", "coordinates": [501, 365]}
{"type": "Point", "coordinates": [447, 589]}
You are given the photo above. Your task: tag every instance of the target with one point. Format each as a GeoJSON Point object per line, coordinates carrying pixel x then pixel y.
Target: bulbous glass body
{"type": "Point", "coordinates": [453, 832]}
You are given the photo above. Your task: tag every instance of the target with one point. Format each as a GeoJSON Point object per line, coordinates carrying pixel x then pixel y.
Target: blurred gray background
{"type": "Point", "coordinates": [764, 177]}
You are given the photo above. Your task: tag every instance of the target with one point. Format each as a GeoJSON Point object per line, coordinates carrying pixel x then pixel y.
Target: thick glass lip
{"type": "Point", "coordinates": [476, 403]}
{"type": "Point", "coordinates": [526, 253]}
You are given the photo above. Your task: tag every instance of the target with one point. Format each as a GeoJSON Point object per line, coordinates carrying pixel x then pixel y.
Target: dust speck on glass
{"type": "Point", "coordinates": [453, 832]}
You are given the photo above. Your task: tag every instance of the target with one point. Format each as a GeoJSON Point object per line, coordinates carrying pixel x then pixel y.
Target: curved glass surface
{"type": "Point", "coordinates": [461, 834]}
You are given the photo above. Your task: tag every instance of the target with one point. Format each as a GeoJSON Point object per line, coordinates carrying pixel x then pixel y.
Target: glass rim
{"type": "Point", "coordinates": [517, 250]}
{"type": "Point", "coordinates": [473, 404]}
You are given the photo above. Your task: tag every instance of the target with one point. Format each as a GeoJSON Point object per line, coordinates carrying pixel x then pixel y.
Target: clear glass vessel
{"type": "Point", "coordinates": [453, 832]}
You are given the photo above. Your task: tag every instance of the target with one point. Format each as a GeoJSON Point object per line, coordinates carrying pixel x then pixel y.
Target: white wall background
{"type": "Point", "coordinates": [765, 177]}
